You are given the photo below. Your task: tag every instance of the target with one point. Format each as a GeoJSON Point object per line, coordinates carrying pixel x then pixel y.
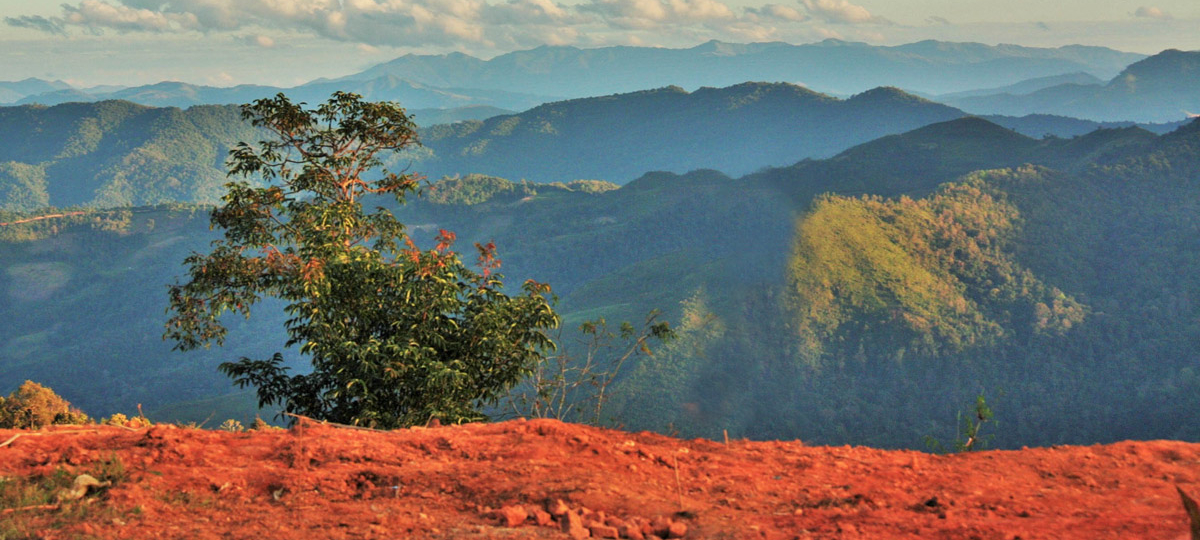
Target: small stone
{"type": "Point", "coordinates": [630, 531]}
{"type": "Point", "coordinates": [660, 526]}
{"type": "Point", "coordinates": [558, 508]}
{"type": "Point", "coordinates": [603, 531]}
{"type": "Point", "coordinates": [677, 529]}
{"type": "Point", "coordinates": [542, 518]}
{"type": "Point", "coordinates": [572, 524]}
{"type": "Point", "coordinates": [614, 521]}
{"type": "Point", "coordinates": [511, 516]}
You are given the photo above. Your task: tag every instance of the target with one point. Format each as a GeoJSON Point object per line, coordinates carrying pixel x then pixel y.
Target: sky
{"type": "Point", "coordinates": [289, 42]}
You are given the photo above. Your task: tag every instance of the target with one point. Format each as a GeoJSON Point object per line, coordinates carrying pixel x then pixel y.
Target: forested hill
{"type": "Point", "coordinates": [804, 310]}
{"type": "Point", "coordinates": [115, 153]}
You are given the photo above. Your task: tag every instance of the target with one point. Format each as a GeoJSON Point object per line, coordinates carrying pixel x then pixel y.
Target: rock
{"type": "Point", "coordinates": [631, 531]}
{"type": "Point", "coordinates": [558, 508]}
{"type": "Point", "coordinates": [572, 524]}
{"type": "Point", "coordinates": [82, 484]}
{"type": "Point", "coordinates": [542, 518]}
{"type": "Point", "coordinates": [603, 531]}
{"type": "Point", "coordinates": [677, 529]}
{"type": "Point", "coordinates": [511, 516]}
{"type": "Point", "coordinates": [659, 526]}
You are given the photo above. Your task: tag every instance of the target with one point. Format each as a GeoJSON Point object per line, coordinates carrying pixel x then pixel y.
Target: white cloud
{"type": "Point", "coordinates": [841, 11]}
{"type": "Point", "coordinates": [1152, 13]}
{"type": "Point", "coordinates": [470, 25]}
{"type": "Point", "coordinates": [96, 15]}
{"type": "Point", "coordinates": [776, 11]}
{"type": "Point", "coordinates": [259, 40]}
{"type": "Point", "coordinates": [656, 13]}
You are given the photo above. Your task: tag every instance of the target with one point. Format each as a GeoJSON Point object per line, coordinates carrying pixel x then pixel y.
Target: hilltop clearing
{"type": "Point", "coordinates": [321, 481]}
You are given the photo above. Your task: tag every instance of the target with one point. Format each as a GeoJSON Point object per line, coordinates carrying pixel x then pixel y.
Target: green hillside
{"type": "Point", "coordinates": [114, 153]}
{"type": "Point", "coordinates": [861, 299]}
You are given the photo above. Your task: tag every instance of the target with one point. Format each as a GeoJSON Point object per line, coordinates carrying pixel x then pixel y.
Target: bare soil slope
{"type": "Point", "coordinates": [319, 481]}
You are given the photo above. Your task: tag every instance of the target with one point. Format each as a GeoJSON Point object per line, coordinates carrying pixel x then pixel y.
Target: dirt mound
{"type": "Point", "coordinates": [317, 481]}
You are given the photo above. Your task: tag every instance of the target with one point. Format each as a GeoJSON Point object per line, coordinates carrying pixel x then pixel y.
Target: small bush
{"type": "Point", "coordinates": [232, 426]}
{"type": "Point", "coordinates": [118, 419]}
{"type": "Point", "coordinates": [33, 406]}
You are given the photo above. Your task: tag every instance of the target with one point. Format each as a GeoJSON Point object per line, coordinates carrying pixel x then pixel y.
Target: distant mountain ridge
{"type": "Point", "coordinates": [617, 138]}
{"type": "Point", "coordinates": [116, 153]}
{"type": "Point", "coordinates": [523, 79]}
{"type": "Point", "coordinates": [1028, 86]}
{"type": "Point", "coordinates": [384, 88]}
{"type": "Point", "coordinates": [737, 130]}
{"type": "Point", "coordinates": [1160, 88]}
{"type": "Point", "coordinates": [832, 66]}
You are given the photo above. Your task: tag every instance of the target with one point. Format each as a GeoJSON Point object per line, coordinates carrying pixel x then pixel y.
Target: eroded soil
{"type": "Point", "coordinates": [319, 481]}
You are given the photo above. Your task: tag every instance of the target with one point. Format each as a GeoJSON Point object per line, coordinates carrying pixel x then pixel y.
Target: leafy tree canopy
{"type": "Point", "coordinates": [396, 335]}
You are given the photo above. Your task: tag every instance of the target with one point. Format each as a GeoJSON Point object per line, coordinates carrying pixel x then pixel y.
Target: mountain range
{"type": "Point", "coordinates": [1028, 267]}
{"type": "Point", "coordinates": [736, 130]}
{"type": "Point", "coordinates": [384, 88]}
{"type": "Point", "coordinates": [523, 79]}
{"type": "Point", "coordinates": [833, 66]}
{"type": "Point", "coordinates": [116, 153]}
{"type": "Point", "coordinates": [1161, 88]}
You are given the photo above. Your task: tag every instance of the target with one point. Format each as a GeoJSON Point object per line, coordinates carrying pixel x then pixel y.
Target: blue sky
{"type": "Point", "coordinates": [285, 42]}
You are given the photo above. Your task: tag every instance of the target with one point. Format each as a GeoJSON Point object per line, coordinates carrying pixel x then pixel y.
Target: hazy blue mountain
{"type": "Point", "coordinates": [115, 153]}
{"type": "Point", "coordinates": [1040, 125]}
{"type": "Point", "coordinates": [1027, 86]}
{"type": "Point", "coordinates": [12, 91]}
{"type": "Point", "coordinates": [432, 117]}
{"type": "Point", "coordinates": [617, 138]}
{"type": "Point", "coordinates": [388, 87]}
{"type": "Point", "coordinates": [832, 66]}
{"type": "Point", "coordinates": [1161, 88]}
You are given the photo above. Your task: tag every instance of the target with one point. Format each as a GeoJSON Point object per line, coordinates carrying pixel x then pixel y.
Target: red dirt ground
{"type": "Point", "coordinates": [319, 481]}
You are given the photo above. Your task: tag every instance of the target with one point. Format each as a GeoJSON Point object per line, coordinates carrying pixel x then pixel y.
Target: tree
{"type": "Point", "coordinates": [396, 335]}
{"type": "Point", "coordinates": [33, 406]}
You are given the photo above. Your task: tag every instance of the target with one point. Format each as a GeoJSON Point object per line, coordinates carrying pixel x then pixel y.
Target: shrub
{"type": "Point", "coordinates": [33, 406]}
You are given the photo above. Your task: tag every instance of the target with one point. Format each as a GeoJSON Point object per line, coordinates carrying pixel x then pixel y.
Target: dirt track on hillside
{"type": "Point", "coordinates": [318, 481]}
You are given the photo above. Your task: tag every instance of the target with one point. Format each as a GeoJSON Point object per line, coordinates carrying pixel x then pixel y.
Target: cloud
{"type": "Point", "coordinates": [934, 19]}
{"type": "Point", "coordinates": [776, 11]}
{"type": "Point", "coordinates": [841, 11]}
{"type": "Point", "coordinates": [469, 25]}
{"type": "Point", "coordinates": [96, 15]}
{"type": "Point", "coordinates": [1152, 13]}
{"type": "Point", "coordinates": [259, 40]}
{"type": "Point", "coordinates": [36, 22]}
{"type": "Point", "coordinates": [656, 13]}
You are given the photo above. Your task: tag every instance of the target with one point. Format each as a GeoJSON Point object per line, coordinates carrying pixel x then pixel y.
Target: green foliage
{"type": "Point", "coordinates": [476, 189]}
{"type": "Point", "coordinates": [233, 426]}
{"type": "Point", "coordinates": [33, 406]}
{"type": "Point", "coordinates": [114, 153]}
{"type": "Point", "coordinates": [930, 276]}
{"type": "Point", "coordinates": [968, 437]}
{"type": "Point", "coordinates": [395, 334]}
{"type": "Point", "coordinates": [22, 187]}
